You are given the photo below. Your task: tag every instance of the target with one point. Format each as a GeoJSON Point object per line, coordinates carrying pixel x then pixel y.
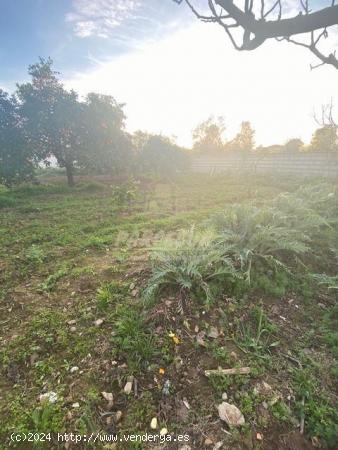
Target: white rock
{"type": "Point", "coordinates": [262, 388]}
{"type": "Point", "coordinates": [218, 445]}
{"type": "Point", "coordinates": [230, 414]}
{"type": "Point", "coordinates": [129, 385]}
{"type": "Point", "coordinates": [98, 322]}
{"type": "Point", "coordinates": [76, 405]}
{"type": "Point", "coordinates": [213, 333]}
{"type": "Point", "coordinates": [74, 369]}
{"type": "Point", "coordinates": [50, 397]}
{"type": "Point", "coordinates": [163, 431]}
{"type": "Point", "coordinates": [109, 397]}
{"type": "Point", "coordinates": [224, 396]}
{"type": "Point", "coordinates": [153, 423]}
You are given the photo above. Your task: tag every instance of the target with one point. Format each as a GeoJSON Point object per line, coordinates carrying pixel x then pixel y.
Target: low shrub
{"type": "Point", "coordinates": [192, 264]}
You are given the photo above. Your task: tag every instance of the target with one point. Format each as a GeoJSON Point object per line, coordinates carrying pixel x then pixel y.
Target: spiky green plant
{"type": "Point", "coordinates": [192, 264]}
{"type": "Point", "coordinates": [258, 234]}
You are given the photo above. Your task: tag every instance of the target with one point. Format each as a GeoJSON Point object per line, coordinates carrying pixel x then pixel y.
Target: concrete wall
{"type": "Point", "coordinates": [312, 163]}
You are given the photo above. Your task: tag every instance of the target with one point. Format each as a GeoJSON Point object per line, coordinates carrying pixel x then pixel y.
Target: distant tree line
{"type": "Point", "coordinates": [42, 123]}
{"type": "Point", "coordinates": [208, 137]}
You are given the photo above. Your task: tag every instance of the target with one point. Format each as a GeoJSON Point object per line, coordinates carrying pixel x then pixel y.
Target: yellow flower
{"type": "Point", "coordinates": [175, 338]}
{"type": "Point", "coordinates": [161, 371]}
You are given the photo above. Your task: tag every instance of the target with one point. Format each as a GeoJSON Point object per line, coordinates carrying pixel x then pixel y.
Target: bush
{"type": "Point", "coordinates": [124, 194]}
{"type": "Point", "coordinates": [256, 236]}
{"type": "Point", "coordinates": [191, 264]}
{"type": "Point", "coordinates": [274, 246]}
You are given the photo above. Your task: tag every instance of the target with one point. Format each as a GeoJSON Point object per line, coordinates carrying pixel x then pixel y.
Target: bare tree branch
{"type": "Point", "coordinates": [327, 119]}
{"type": "Point", "coordinates": [257, 31]}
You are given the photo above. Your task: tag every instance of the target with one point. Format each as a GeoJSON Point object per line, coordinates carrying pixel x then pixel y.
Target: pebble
{"type": "Point", "coordinates": [163, 431]}
{"type": "Point", "coordinates": [224, 396]}
{"type": "Point", "coordinates": [213, 333]}
{"type": "Point", "coordinates": [218, 445]}
{"type": "Point", "coordinates": [50, 397]}
{"type": "Point", "coordinates": [74, 369]}
{"type": "Point", "coordinates": [129, 385]}
{"type": "Point", "coordinates": [230, 414]}
{"type": "Point", "coordinates": [98, 322]}
{"type": "Point", "coordinates": [153, 423]}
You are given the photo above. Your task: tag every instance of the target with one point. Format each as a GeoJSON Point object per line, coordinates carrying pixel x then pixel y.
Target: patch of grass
{"type": "Point", "coordinates": [51, 228]}
{"type": "Point", "coordinates": [329, 329]}
{"type": "Point", "coordinates": [257, 335]}
{"type": "Point", "coordinates": [133, 340]}
{"type": "Point", "coordinates": [6, 201]}
{"type": "Point", "coordinates": [321, 418]}
{"type": "Point", "coordinates": [51, 281]}
{"type": "Point", "coordinates": [97, 242]}
{"type": "Point", "coordinates": [138, 418]}
{"type": "Point", "coordinates": [35, 254]}
{"type": "Point", "coordinates": [86, 270]}
{"type": "Point", "coordinates": [281, 411]}
{"type": "Point", "coordinates": [111, 292]}
{"type": "Point", "coordinates": [125, 194]}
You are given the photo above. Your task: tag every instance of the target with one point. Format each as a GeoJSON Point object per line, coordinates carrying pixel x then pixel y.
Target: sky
{"type": "Point", "coordinates": [170, 70]}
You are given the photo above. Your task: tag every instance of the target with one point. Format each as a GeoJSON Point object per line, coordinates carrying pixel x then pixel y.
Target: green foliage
{"type": "Point", "coordinates": [191, 264]}
{"type": "Point", "coordinates": [110, 293]}
{"type": "Point", "coordinates": [281, 411]}
{"type": "Point", "coordinates": [106, 147]}
{"type": "Point", "coordinates": [244, 140]}
{"type": "Point", "coordinates": [158, 155]}
{"type": "Point", "coordinates": [329, 329]}
{"type": "Point", "coordinates": [132, 338]}
{"type": "Point", "coordinates": [35, 254]}
{"type": "Point", "coordinates": [51, 281]}
{"type": "Point", "coordinates": [208, 135]}
{"type": "Point", "coordinates": [52, 117]}
{"type": "Point", "coordinates": [321, 419]}
{"type": "Point", "coordinates": [258, 235]}
{"type": "Point", "coordinates": [125, 193]}
{"type": "Point", "coordinates": [274, 246]}
{"type": "Point", "coordinates": [6, 201]}
{"type": "Point", "coordinates": [16, 155]}
{"type": "Point", "coordinates": [293, 146]}
{"type": "Point", "coordinates": [325, 139]}
{"type": "Point", "coordinates": [256, 335]}
{"type": "Point", "coordinates": [326, 280]}
{"type": "Point", "coordinates": [47, 418]}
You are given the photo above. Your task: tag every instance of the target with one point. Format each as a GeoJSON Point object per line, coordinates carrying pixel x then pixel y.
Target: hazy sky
{"type": "Point", "coordinates": [170, 70]}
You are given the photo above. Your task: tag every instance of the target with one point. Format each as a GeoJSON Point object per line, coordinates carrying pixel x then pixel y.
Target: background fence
{"type": "Point", "coordinates": [319, 163]}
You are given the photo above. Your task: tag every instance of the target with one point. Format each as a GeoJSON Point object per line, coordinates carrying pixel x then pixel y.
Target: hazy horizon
{"type": "Point", "coordinates": [171, 71]}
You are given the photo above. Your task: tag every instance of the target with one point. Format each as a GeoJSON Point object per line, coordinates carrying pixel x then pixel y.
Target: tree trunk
{"type": "Point", "coordinates": [70, 174]}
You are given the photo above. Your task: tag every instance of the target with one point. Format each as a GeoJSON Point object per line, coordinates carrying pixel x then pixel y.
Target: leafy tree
{"type": "Point", "coordinates": [107, 146]}
{"type": "Point", "coordinates": [158, 154]}
{"type": "Point", "coordinates": [294, 145]}
{"type": "Point", "coordinates": [325, 139]}
{"type": "Point", "coordinates": [16, 160]}
{"type": "Point", "coordinates": [208, 135]}
{"type": "Point", "coordinates": [244, 140]}
{"type": "Point", "coordinates": [53, 117]}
